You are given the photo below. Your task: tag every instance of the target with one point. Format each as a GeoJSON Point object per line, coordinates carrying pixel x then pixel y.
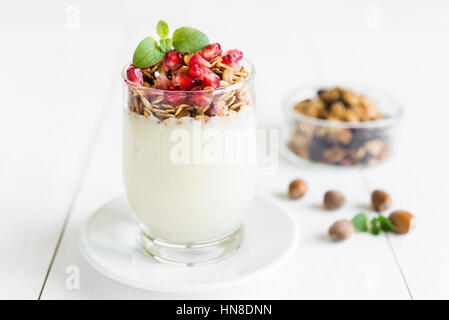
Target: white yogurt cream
{"type": "Point", "coordinates": [185, 192]}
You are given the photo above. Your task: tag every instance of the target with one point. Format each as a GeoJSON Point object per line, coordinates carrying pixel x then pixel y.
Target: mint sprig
{"type": "Point", "coordinates": [147, 53]}
{"type": "Point", "coordinates": [185, 39]}
{"type": "Point", "coordinates": [360, 222]}
{"type": "Point", "coordinates": [166, 44]}
{"type": "Point", "coordinates": [162, 29]}
{"type": "Point", "coordinates": [385, 224]}
{"type": "Point", "coordinates": [374, 226]}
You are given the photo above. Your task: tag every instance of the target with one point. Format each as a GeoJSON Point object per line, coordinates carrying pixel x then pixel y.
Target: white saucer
{"type": "Point", "coordinates": [108, 241]}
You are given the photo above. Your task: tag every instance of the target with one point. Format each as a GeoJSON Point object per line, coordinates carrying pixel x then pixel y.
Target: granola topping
{"type": "Point", "coordinates": [339, 104]}
{"type": "Point", "coordinates": [189, 82]}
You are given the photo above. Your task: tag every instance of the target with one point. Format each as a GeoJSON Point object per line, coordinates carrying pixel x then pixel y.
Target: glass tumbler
{"type": "Point", "coordinates": [189, 168]}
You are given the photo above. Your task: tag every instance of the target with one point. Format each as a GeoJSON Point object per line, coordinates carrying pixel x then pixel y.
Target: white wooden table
{"type": "Point", "coordinates": [60, 137]}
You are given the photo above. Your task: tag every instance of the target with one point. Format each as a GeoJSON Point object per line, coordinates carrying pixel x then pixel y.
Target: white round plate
{"type": "Point", "coordinates": [109, 242]}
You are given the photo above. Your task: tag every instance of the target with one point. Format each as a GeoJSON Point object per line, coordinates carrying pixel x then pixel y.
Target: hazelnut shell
{"type": "Point", "coordinates": [380, 200]}
{"type": "Point", "coordinates": [402, 220]}
{"type": "Point", "coordinates": [333, 200]}
{"type": "Point", "coordinates": [341, 230]}
{"type": "Point", "coordinates": [297, 189]}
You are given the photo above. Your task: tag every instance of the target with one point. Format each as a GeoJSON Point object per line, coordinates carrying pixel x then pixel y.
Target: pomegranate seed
{"type": "Point", "coordinates": [151, 96]}
{"type": "Point", "coordinates": [237, 53]}
{"type": "Point", "coordinates": [214, 109]}
{"type": "Point", "coordinates": [345, 162]}
{"type": "Point", "coordinates": [197, 72]}
{"type": "Point", "coordinates": [210, 80]}
{"type": "Point", "coordinates": [172, 61]}
{"type": "Point", "coordinates": [200, 100]}
{"type": "Point", "coordinates": [211, 51]}
{"type": "Point", "coordinates": [174, 99]}
{"type": "Point", "coordinates": [162, 82]}
{"type": "Point", "coordinates": [196, 59]}
{"type": "Point", "coordinates": [183, 81]}
{"type": "Point", "coordinates": [231, 60]}
{"type": "Point", "coordinates": [134, 75]}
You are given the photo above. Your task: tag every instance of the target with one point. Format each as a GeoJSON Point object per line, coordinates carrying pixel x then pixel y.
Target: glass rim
{"type": "Point", "coordinates": [231, 87]}
{"type": "Point", "coordinates": [391, 119]}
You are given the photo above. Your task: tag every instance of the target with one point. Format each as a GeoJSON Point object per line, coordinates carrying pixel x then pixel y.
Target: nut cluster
{"type": "Point", "coordinates": [198, 102]}
{"type": "Point", "coordinates": [335, 145]}
{"type": "Point", "coordinates": [399, 221]}
{"type": "Point", "coordinates": [339, 104]}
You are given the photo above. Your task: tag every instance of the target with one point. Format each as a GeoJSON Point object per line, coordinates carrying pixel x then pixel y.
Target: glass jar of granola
{"type": "Point", "coordinates": [189, 158]}
{"type": "Point", "coordinates": [340, 126]}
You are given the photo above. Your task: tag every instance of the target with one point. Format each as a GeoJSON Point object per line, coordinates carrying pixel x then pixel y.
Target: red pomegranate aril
{"type": "Point", "coordinates": [200, 100]}
{"type": "Point", "coordinates": [174, 99]}
{"type": "Point", "coordinates": [211, 51]}
{"type": "Point", "coordinates": [231, 60]}
{"type": "Point", "coordinates": [214, 109]}
{"type": "Point", "coordinates": [197, 59]}
{"type": "Point", "coordinates": [210, 80]}
{"type": "Point", "coordinates": [134, 75]}
{"type": "Point", "coordinates": [197, 71]}
{"type": "Point", "coordinates": [237, 53]}
{"type": "Point", "coordinates": [162, 82]}
{"type": "Point", "coordinates": [151, 96]}
{"type": "Point", "coordinates": [172, 61]}
{"type": "Point", "coordinates": [183, 80]}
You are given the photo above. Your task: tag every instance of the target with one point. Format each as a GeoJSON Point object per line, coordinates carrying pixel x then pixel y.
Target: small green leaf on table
{"type": "Point", "coordinates": [385, 224]}
{"type": "Point", "coordinates": [375, 226]}
{"type": "Point", "coordinates": [360, 222]}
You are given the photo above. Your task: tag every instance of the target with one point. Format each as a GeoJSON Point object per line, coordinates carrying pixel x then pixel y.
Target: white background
{"type": "Point", "coordinates": [60, 136]}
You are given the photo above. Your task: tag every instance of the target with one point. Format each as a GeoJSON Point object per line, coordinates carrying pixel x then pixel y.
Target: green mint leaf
{"type": "Point", "coordinates": [385, 224]}
{"type": "Point", "coordinates": [162, 29]}
{"type": "Point", "coordinates": [166, 44]}
{"type": "Point", "coordinates": [187, 39]}
{"type": "Point", "coordinates": [360, 222]}
{"type": "Point", "coordinates": [375, 226]}
{"type": "Point", "coordinates": [147, 53]}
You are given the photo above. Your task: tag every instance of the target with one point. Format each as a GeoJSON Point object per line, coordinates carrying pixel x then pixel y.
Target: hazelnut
{"type": "Point", "coordinates": [334, 200]}
{"type": "Point", "coordinates": [380, 200]}
{"type": "Point", "coordinates": [402, 220]}
{"type": "Point", "coordinates": [374, 147]}
{"type": "Point", "coordinates": [341, 135]}
{"type": "Point", "coordinates": [297, 189]}
{"type": "Point", "coordinates": [341, 230]}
